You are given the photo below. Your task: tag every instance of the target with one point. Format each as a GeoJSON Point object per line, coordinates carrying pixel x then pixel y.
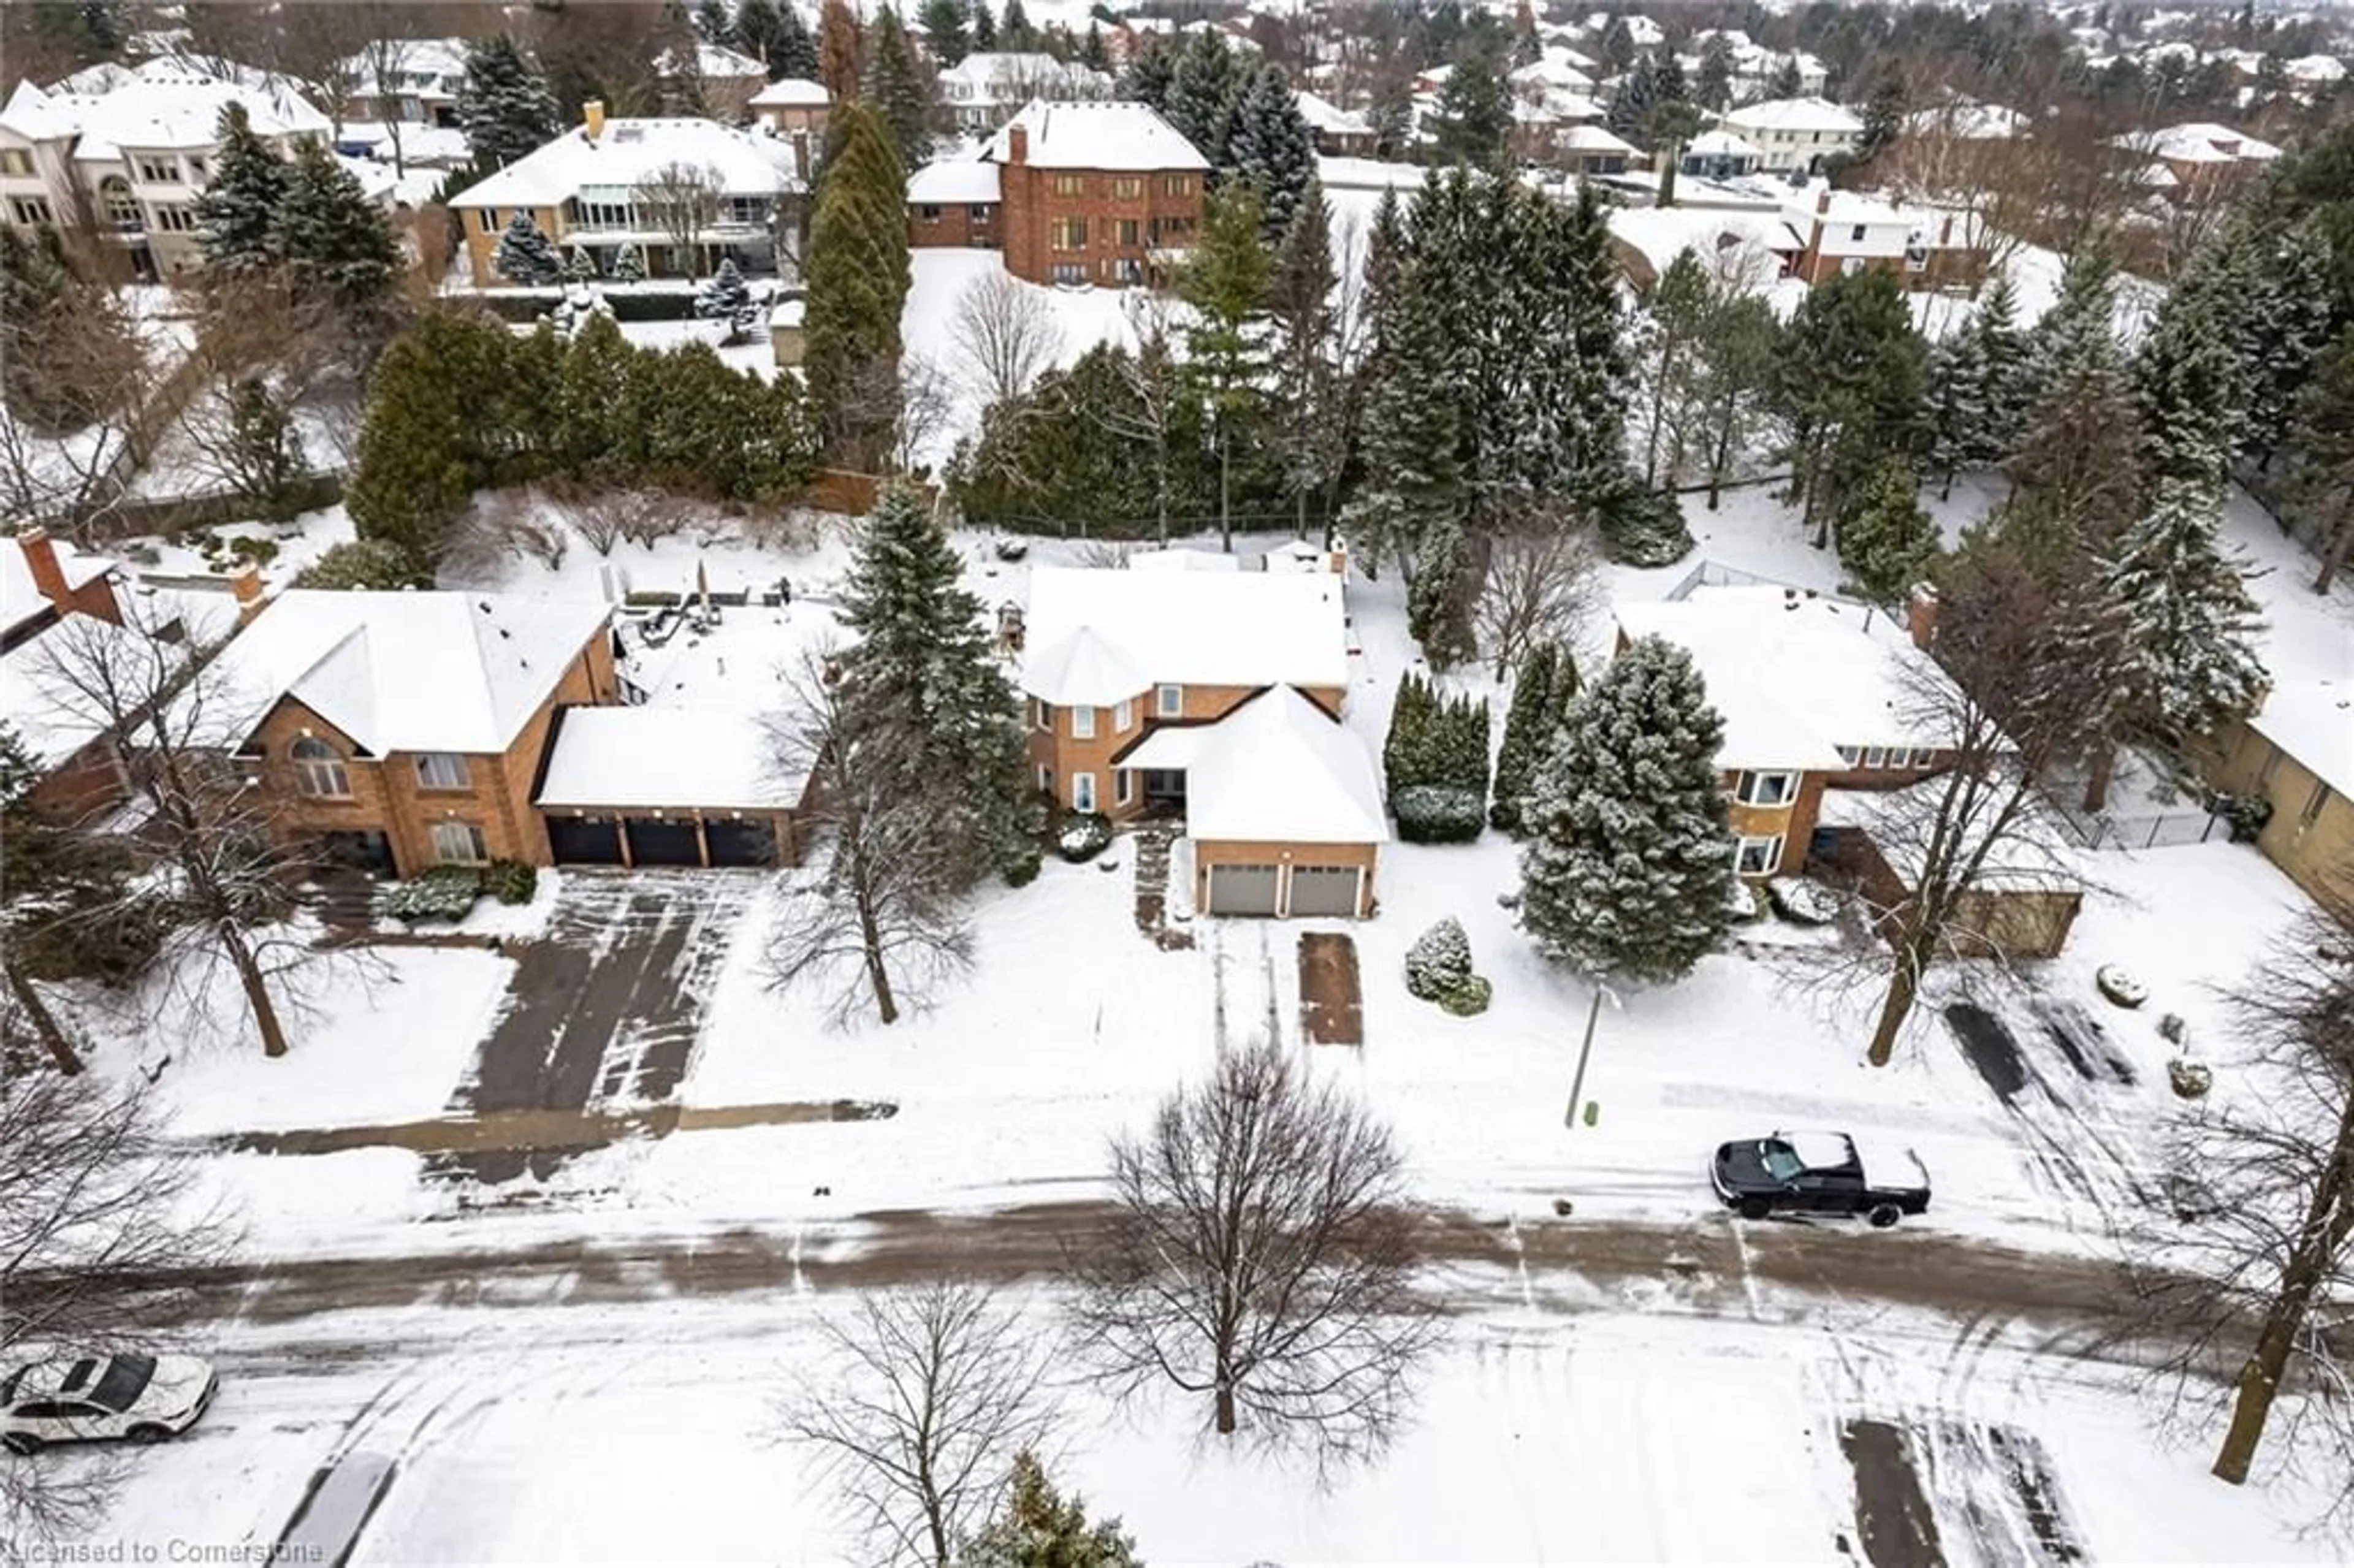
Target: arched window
{"type": "Point", "coordinates": [122, 210]}
{"type": "Point", "coordinates": [319, 771]}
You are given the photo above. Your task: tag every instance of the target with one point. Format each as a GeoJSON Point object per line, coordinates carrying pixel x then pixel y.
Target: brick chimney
{"type": "Point", "coordinates": [41, 559]}
{"type": "Point", "coordinates": [245, 582]}
{"type": "Point", "coordinates": [1921, 615]}
{"type": "Point", "coordinates": [801, 155]}
{"type": "Point", "coordinates": [592, 118]}
{"type": "Point", "coordinates": [1017, 144]}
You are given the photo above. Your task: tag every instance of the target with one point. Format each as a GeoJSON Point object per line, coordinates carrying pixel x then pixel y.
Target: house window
{"type": "Point", "coordinates": [1046, 781]}
{"type": "Point", "coordinates": [1123, 784]}
{"type": "Point", "coordinates": [1177, 184]}
{"type": "Point", "coordinates": [1875, 756]}
{"type": "Point", "coordinates": [1168, 702]}
{"type": "Point", "coordinates": [487, 220]}
{"type": "Point", "coordinates": [1758, 857]}
{"type": "Point", "coordinates": [159, 171]}
{"type": "Point", "coordinates": [1767, 788]}
{"type": "Point", "coordinates": [600, 215]}
{"type": "Point", "coordinates": [1855, 235]}
{"type": "Point", "coordinates": [1166, 230]}
{"type": "Point", "coordinates": [1131, 233]}
{"type": "Point", "coordinates": [441, 770]}
{"type": "Point", "coordinates": [1070, 184]}
{"type": "Point", "coordinates": [930, 212]}
{"type": "Point", "coordinates": [197, 169]}
{"type": "Point", "coordinates": [2312, 804]}
{"type": "Point", "coordinates": [1070, 272]}
{"type": "Point", "coordinates": [33, 209]}
{"type": "Point", "coordinates": [120, 211]}
{"type": "Point", "coordinates": [1851, 755]}
{"type": "Point", "coordinates": [1042, 715]}
{"type": "Point", "coordinates": [16, 161]}
{"type": "Point", "coordinates": [1083, 723]}
{"type": "Point", "coordinates": [1123, 717]}
{"type": "Point", "coordinates": [1082, 792]}
{"type": "Point", "coordinates": [174, 219]}
{"type": "Point", "coordinates": [318, 771]}
{"type": "Point", "coordinates": [1069, 234]}
{"type": "Point", "coordinates": [460, 843]}
{"type": "Point", "coordinates": [977, 212]}
{"type": "Point", "coordinates": [1128, 187]}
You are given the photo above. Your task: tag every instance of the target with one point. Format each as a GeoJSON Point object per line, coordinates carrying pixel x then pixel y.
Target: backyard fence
{"type": "Point", "coordinates": [2141, 830]}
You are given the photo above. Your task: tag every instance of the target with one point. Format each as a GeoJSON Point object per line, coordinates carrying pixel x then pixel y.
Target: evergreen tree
{"type": "Point", "coordinates": [1955, 414]}
{"type": "Point", "coordinates": [239, 210]}
{"type": "Point", "coordinates": [580, 265]}
{"type": "Point", "coordinates": [1883, 118]}
{"type": "Point", "coordinates": [1743, 358]}
{"type": "Point", "coordinates": [792, 51]}
{"type": "Point", "coordinates": [2191, 627]}
{"type": "Point", "coordinates": [858, 277]}
{"type": "Point", "coordinates": [2288, 315]}
{"type": "Point", "coordinates": [1668, 83]}
{"type": "Point", "coordinates": [1271, 147]}
{"type": "Point", "coordinates": [429, 436]}
{"type": "Point", "coordinates": [2001, 353]}
{"type": "Point", "coordinates": [1094, 53]}
{"type": "Point", "coordinates": [1148, 74]}
{"type": "Point", "coordinates": [1206, 82]}
{"type": "Point", "coordinates": [1851, 385]}
{"type": "Point", "coordinates": [1540, 695]}
{"type": "Point", "coordinates": [629, 264]}
{"type": "Point", "coordinates": [899, 88]}
{"type": "Point", "coordinates": [2323, 436]}
{"type": "Point", "coordinates": [984, 27]}
{"type": "Point", "coordinates": [944, 30]}
{"type": "Point", "coordinates": [1226, 352]}
{"type": "Point", "coordinates": [1408, 443]}
{"type": "Point", "coordinates": [1785, 82]}
{"type": "Point", "coordinates": [922, 657]}
{"type": "Point", "coordinates": [1886, 541]}
{"type": "Point", "coordinates": [1408, 748]}
{"type": "Point", "coordinates": [504, 103]}
{"type": "Point", "coordinates": [1474, 122]}
{"type": "Point", "coordinates": [714, 24]}
{"type": "Point", "coordinates": [841, 52]}
{"type": "Point", "coordinates": [1712, 83]}
{"type": "Point", "coordinates": [1019, 35]}
{"type": "Point", "coordinates": [1309, 381]}
{"type": "Point", "coordinates": [264, 451]}
{"type": "Point", "coordinates": [1438, 601]}
{"type": "Point", "coordinates": [2078, 333]}
{"type": "Point", "coordinates": [337, 240]}
{"type": "Point", "coordinates": [1631, 102]}
{"type": "Point", "coordinates": [2188, 391]}
{"type": "Point", "coordinates": [1627, 869]}
{"type": "Point", "coordinates": [1039, 1529]}
{"type": "Point", "coordinates": [726, 297]}
{"type": "Point", "coordinates": [1619, 50]}
{"type": "Point", "coordinates": [526, 255]}
{"type": "Point", "coordinates": [2078, 462]}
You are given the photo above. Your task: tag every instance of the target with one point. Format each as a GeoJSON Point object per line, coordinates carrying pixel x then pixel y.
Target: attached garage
{"type": "Point", "coordinates": [752, 842]}
{"type": "Point", "coordinates": [1243, 889]}
{"type": "Point", "coordinates": [664, 841]}
{"type": "Point", "coordinates": [584, 841]}
{"type": "Point", "coordinates": [1325, 890]}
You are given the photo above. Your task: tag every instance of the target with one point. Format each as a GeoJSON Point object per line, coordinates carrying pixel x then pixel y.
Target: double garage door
{"type": "Point", "coordinates": [1299, 890]}
{"type": "Point", "coordinates": [669, 840]}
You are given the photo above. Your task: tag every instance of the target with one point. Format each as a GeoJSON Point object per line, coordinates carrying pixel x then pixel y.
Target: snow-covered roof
{"type": "Point", "coordinates": [1183, 560]}
{"type": "Point", "coordinates": [51, 719]}
{"type": "Point", "coordinates": [660, 757]}
{"type": "Point", "coordinates": [2200, 141]}
{"type": "Point", "coordinates": [410, 56]}
{"type": "Point", "coordinates": [164, 104]}
{"type": "Point", "coordinates": [1795, 675]}
{"type": "Point", "coordinates": [631, 149]}
{"type": "Point", "coordinates": [1098, 636]}
{"type": "Point", "coordinates": [1720, 143]}
{"type": "Point", "coordinates": [2034, 855]}
{"type": "Point", "coordinates": [2317, 68]}
{"type": "Point", "coordinates": [1740, 240]}
{"type": "Point", "coordinates": [421, 146]}
{"type": "Point", "coordinates": [36, 115]}
{"type": "Point", "coordinates": [1323, 115]}
{"type": "Point", "coordinates": [1013, 68]}
{"type": "Point", "coordinates": [1969, 120]}
{"type": "Point", "coordinates": [1368, 174]}
{"type": "Point", "coordinates": [1548, 72]}
{"type": "Point", "coordinates": [792, 93]}
{"type": "Point", "coordinates": [1112, 137]}
{"type": "Point", "coordinates": [715, 63]}
{"type": "Point", "coordinates": [1593, 140]}
{"type": "Point", "coordinates": [1794, 114]}
{"type": "Point", "coordinates": [20, 597]}
{"type": "Point", "coordinates": [409, 670]}
{"type": "Point", "coordinates": [1276, 769]}
{"type": "Point", "coordinates": [2313, 723]}
{"type": "Point", "coordinates": [955, 181]}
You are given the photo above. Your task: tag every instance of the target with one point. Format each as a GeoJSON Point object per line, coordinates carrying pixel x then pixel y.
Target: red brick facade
{"type": "Point", "coordinates": [963, 225]}
{"type": "Point", "coordinates": [1085, 225]}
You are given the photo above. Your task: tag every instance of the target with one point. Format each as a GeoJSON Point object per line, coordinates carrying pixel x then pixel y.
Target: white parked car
{"type": "Point", "coordinates": [92, 1399]}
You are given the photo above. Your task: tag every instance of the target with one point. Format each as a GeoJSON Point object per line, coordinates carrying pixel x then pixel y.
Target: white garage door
{"type": "Point", "coordinates": [1324, 890]}
{"type": "Point", "coordinates": [1242, 889]}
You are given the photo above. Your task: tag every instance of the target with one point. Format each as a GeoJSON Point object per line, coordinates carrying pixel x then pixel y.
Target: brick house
{"type": "Point", "coordinates": [42, 585]}
{"type": "Point", "coordinates": [793, 106]}
{"type": "Point", "coordinates": [1088, 193]}
{"type": "Point", "coordinates": [1217, 693]}
{"type": "Point", "coordinates": [955, 204]}
{"type": "Point", "coordinates": [1923, 246]}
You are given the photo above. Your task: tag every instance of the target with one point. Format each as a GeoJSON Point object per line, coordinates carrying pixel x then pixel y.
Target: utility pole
{"type": "Point", "coordinates": [1584, 1051]}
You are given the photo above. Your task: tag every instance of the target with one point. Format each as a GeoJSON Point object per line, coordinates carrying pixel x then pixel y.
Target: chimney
{"type": "Point", "coordinates": [592, 118]}
{"type": "Point", "coordinates": [800, 155]}
{"type": "Point", "coordinates": [1921, 615]}
{"type": "Point", "coordinates": [1017, 144]}
{"type": "Point", "coordinates": [41, 559]}
{"type": "Point", "coordinates": [245, 582]}
{"type": "Point", "coordinates": [1823, 202]}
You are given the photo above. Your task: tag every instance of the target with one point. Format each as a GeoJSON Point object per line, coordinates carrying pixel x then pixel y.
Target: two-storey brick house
{"type": "Point", "coordinates": [1086, 193]}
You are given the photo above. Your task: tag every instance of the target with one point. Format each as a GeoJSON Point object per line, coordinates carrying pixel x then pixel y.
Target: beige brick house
{"type": "Point", "coordinates": [1216, 694]}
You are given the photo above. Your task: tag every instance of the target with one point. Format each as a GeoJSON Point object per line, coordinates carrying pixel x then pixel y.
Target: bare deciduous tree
{"type": "Point", "coordinates": [507, 524]}
{"type": "Point", "coordinates": [1543, 579]}
{"type": "Point", "coordinates": [94, 377]}
{"type": "Point", "coordinates": [925, 404]}
{"type": "Point", "coordinates": [941, 1390]}
{"type": "Point", "coordinates": [2267, 1248]}
{"type": "Point", "coordinates": [681, 200]}
{"type": "Point", "coordinates": [878, 921]}
{"type": "Point", "coordinates": [100, 1234]}
{"type": "Point", "coordinates": [1260, 1254]}
{"type": "Point", "coordinates": [1156, 377]}
{"type": "Point", "coordinates": [1006, 335]}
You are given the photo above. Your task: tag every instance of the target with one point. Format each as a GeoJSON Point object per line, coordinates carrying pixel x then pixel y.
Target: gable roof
{"type": "Point", "coordinates": [1275, 769]}
{"type": "Point", "coordinates": [671, 758]}
{"type": "Point", "coordinates": [166, 103]}
{"type": "Point", "coordinates": [1119, 136]}
{"type": "Point", "coordinates": [1794, 114]}
{"type": "Point", "coordinates": [1795, 675]}
{"type": "Point", "coordinates": [409, 670]}
{"type": "Point", "coordinates": [792, 93]}
{"type": "Point", "coordinates": [745, 162]}
{"type": "Point", "coordinates": [954, 182]}
{"type": "Point", "coordinates": [1096, 636]}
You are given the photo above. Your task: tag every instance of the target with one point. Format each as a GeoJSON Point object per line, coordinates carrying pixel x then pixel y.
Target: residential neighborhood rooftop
{"type": "Point", "coordinates": [1118, 135]}
{"type": "Point", "coordinates": [629, 151]}
{"type": "Point", "coordinates": [955, 181]}
{"type": "Point", "coordinates": [162, 104]}
{"type": "Point", "coordinates": [1794, 114]}
{"type": "Point", "coordinates": [1277, 770]}
{"type": "Point", "coordinates": [792, 92]}
{"type": "Point", "coordinates": [2313, 722]}
{"type": "Point", "coordinates": [1096, 636]}
{"type": "Point", "coordinates": [20, 597]}
{"type": "Point", "coordinates": [655, 758]}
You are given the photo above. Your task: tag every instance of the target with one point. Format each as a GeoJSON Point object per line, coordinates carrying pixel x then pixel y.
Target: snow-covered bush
{"type": "Point", "coordinates": [1640, 526]}
{"type": "Point", "coordinates": [2120, 987]}
{"type": "Point", "coordinates": [1747, 901]}
{"type": "Point", "coordinates": [444, 892]}
{"type": "Point", "coordinates": [1023, 873]}
{"type": "Point", "coordinates": [2246, 815]}
{"type": "Point", "coordinates": [1438, 814]}
{"type": "Point", "coordinates": [361, 564]}
{"type": "Point", "coordinates": [1083, 836]}
{"type": "Point", "coordinates": [1802, 901]}
{"type": "Point", "coordinates": [2190, 1080]}
{"type": "Point", "coordinates": [1439, 968]}
{"type": "Point", "coordinates": [511, 881]}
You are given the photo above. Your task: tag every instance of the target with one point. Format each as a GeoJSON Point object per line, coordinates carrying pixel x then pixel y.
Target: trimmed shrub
{"type": "Point", "coordinates": [1438, 814]}
{"type": "Point", "coordinates": [361, 564]}
{"type": "Point", "coordinates": [1469, 998]}
{"type": "Point", "coordinates": [1024, 871]}
{"type": "Point", "coordinates": [1802, 901]}
{"type": "Point", "coordinates": [1082, 835]}
{"type": "Point", "coordinates": [511, 881]}
{"type": "Point", "coordinates": [1439, 968]}
{"type": "Point", "coordinates": [2120, 987]}
{"type": "Point", "coordinates": [444, 892]}
{"type": "Point", "coordinates": [1748, 902]}
{"type": "Point", "coordinates": [2247, 815]}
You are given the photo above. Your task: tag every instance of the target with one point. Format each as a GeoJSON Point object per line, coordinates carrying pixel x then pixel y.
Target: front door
{"type": "Point", "coordinates": [369, 851]}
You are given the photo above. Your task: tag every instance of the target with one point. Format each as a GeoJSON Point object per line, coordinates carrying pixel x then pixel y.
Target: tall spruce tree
{"type": "Point", "coordinates": [1474, 118]}
{"type": "Point", "coordinates": [2001, 353]}
{"type": "Point", "coordinates": [2289, 321]}
{"type": "Point", "coordinates": [1309, 382]}
{"type": "Point", "coordinates": [1094, 53]}
{"type": "Point", "coordinates": [1205, 83]}
{"type": "Point", "coordinates": [1541, 693]}
{"type": "Point", "coordinates": [1954, 416]}
{"type": "Point", "coordinates": [2190, 390]}
{"type": "Point", "coordinates": [1147, 75]}
{"type": "Point", "coordinates": [899, 88]}
{"type": "Point", "coordinates": [1016, 30]}
{"type": "Point", "coordinates": [524, 254]}
{"type": "Point", "coordinates": [1409, 439]}
{"type": "Point", "coordinates": [1438, 601]}
{"type": "Point", "coordinates": [714, 24]}
{"type": "Point", "coordinates": [984, 26]}
{"type": "Point", "coordinates": [858, 279]}
{"type": "Point", "coordinates": [944, 30]}
{"type": "Point", "coordinates": [239, 210]}
{"type": "Point", "coordinates": [2080, 329]}
{"type": "Point", "coordinates": [1271, 147]}
{"type": "Point", "coordinates": [1631, 102]}
{"type": "Point", "coordinates": [1852, 386]}
{"type": "Point", "coordinates": [2191, 627]}
{"type": "Point", "coordinates": [2322, 435]}
{"type": "Point", "coordinates": [1712, 83]}
{"type": "Point", "coordinates": [1627, 872]}
{"type": "Point", "coordinates": [337, 241]}
{"type": "Point", "coordinates": [793, 51]}
{"type": "Point", "coordinates": [504, 103]}
{"type": "Point", "coordinates": [1227, 350]}
{"type": "Point", "coordinates": [1886, 541]}
{"type": "Point", "coordinates": [923, 658]}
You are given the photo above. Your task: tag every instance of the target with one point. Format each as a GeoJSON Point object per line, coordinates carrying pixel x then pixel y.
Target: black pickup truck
{"type": "Point", "coordinates": [1818, 1173]}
